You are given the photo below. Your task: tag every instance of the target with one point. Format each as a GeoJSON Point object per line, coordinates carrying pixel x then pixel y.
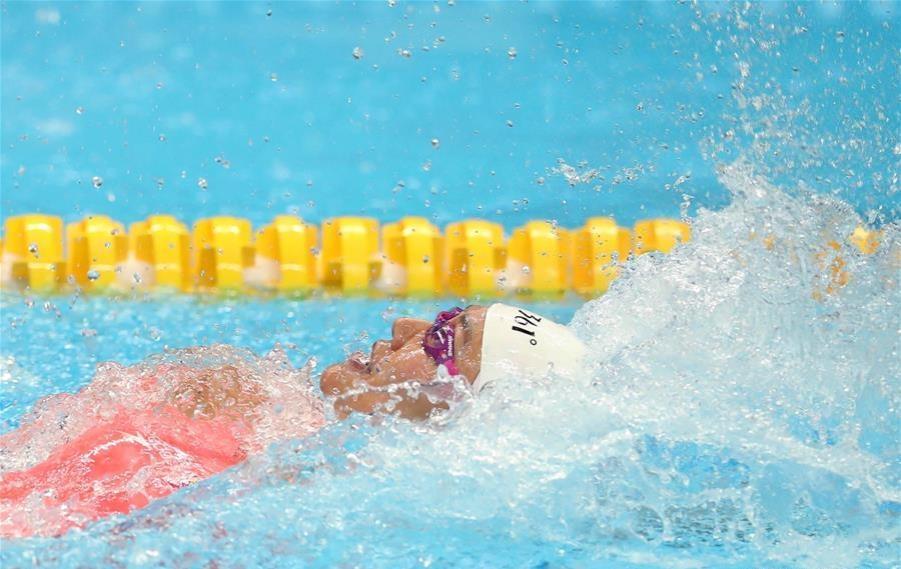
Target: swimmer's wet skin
{"type": "Point", "coordinates": [364, 383]}
{"type": "Point", "coordinates": [205, 421]}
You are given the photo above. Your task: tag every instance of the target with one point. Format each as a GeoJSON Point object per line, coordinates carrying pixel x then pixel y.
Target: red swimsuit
{"type": "Point", "coordinates": [121, 458]}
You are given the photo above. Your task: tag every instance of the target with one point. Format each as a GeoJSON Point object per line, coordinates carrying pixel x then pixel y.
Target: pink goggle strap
{"type": "Point", "coordinates": [438, 342]}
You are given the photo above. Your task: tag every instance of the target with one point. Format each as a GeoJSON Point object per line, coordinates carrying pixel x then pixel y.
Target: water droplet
{"type": "Point", "coordinates": [162, 138]}
{"type": "Point", "coordinates": [79, 110]}
{"type": "Point", "coordinates": [273, 77]}
{"type": "Point", "coordinates": [160, 85]}
{"type": "Point", "coordinates": [202, 183]}
{"type": "Point", "coordinates": [268, 13]}
{"type": "Point", "coordinates": [403, 52]}
{"type": "Point", "coordinates": [511, 53]}
{"type": "Point", "coordinates": [93, 275]}
{"type": "Point", "coordinates": [392, 3]}
{"type": "Point", "coordinates": [425, 258]}
{"type": "Point", "coordinates": [436, 143]}
{"type": "Point", "coordinates": [97, 181]}
{"type": "Point", "coordinates": [137, 278]}
{"type": "Point", "coordinates": [357, 53]}
{"type": "Point", "coordinates": [510, 123]}
{"type": "Point", "coordinates": [427, 165]}
{"type": "Point", "coordinates": [526, 269]}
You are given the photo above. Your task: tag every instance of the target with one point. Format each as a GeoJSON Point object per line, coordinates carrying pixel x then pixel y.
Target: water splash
{"type": "Point", "coordinates": [733, 416]}
{"type": "Point", "coordinates": [177, 418]}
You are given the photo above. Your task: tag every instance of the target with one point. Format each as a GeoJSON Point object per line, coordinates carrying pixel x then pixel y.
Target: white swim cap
{"type": "Point", "coordinates": [517, 342]}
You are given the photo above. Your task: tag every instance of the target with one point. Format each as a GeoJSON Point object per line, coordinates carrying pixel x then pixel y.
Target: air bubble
{"type": "Point", "coordinates": [511, 53]}
{"type": "Point", "coordinates": [202, 183]}
{"type": "Point", "coordinates": [436, 143]}
{"type": "Point", "coordinates": [357, 53]}
{"type": "Point", "coordinates": [97, 181]}
{"type": "Point", "coordinates": [93, 275]}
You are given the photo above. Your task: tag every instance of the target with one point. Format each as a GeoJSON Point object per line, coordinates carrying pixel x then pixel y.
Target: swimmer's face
{"type": "Point", "coordinates": [402, 359]}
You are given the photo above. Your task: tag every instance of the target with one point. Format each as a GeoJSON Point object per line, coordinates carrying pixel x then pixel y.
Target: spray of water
{"type": "Point", "coordinates": [180, 417]}
{"type": "Point", "coordinates": [741, 407]}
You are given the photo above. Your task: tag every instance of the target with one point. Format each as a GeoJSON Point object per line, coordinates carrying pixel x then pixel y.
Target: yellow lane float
{"type": "Point", "coordinates": [411, 256]}
{"type": "Point", "coordinates": [97, 247]}
{"type": "Point", "coordinates": [538, 259]}
{"type": "Point", "coordinates": [660, 235]}
{"type": "Point", "coordinates": [350, 248]}
{"type": "Point", "coordinates": [221, 246]}
{"type": "Point", "coordinates": [866, 240]}
{"type": "Point", "coordinates": [33, 252]}
{"type": "Point", "coordinates": [598, 248]}
{"type": "Point", "coordinates": [284, 256]}
{"type": "Point", "coordinates": [160, 253]}
{"type": "Point", "coordinates": [476, 254]}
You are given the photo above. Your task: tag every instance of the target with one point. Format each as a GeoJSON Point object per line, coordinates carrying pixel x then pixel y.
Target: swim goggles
{"type": "Point", "coordinates": [438, 342]}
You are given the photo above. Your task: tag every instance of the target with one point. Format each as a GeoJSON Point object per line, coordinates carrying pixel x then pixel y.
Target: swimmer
{"type": "Point", "coordinates": [182, 424]}
{"type": "Point", "coordinates": [479, 344]}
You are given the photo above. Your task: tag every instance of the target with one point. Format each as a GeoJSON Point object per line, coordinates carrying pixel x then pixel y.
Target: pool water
{"type": "Point", "coordinates": [741, 408]}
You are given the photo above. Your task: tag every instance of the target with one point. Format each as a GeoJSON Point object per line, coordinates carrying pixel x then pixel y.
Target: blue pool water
{"type": "Point", "coordinates": [730, 419]}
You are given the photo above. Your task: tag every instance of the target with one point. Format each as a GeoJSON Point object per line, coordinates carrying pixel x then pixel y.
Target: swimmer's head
{"type": "Point", "coordinates": [358, 383]}
{"type": "Point", "coordinates": [480, 344]}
